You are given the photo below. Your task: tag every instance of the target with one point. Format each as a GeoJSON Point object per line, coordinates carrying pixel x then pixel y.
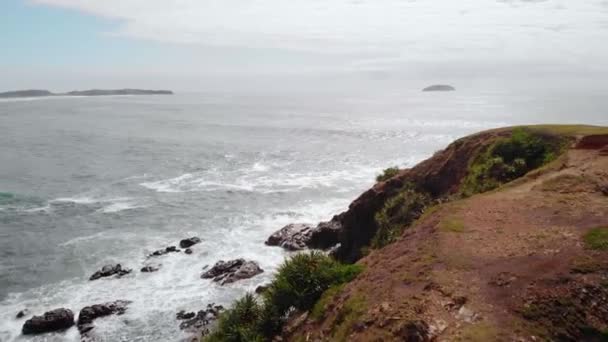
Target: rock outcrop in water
{"type": "Point", "coordinates": [297, 236]}
{"type": "Point", "coordinates": [439, 87]}
{"type": "Point", "coordinates": [226, 272]}
{"type": "Point", "coordinates": [189, 242]}
{"type": "Point", "coordinates": [55, 320]}
{"type": "Point", "coordinates": [167, 250]}
{"type": "Point", "coordinates": [201, 322]}
{"type": "Point", "coordinates": [110, 270]}
{"type": "Point", "coordinates": [90, 313]}
{"type": "Point", "coordinates": [93, 92]}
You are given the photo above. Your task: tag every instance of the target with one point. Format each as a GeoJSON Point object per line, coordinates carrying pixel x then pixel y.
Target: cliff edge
{"type": "Point", "coordinates": [502, 236]}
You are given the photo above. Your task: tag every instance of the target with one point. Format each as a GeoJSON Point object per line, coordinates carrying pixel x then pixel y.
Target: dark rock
{"type": "Point", "coordinates": [185, 243]}
{"type": "Point", "coordinates": [22, 313]}
{"type": "Point", "coordinates": [261, 289]}
{"type": "Point", "coordinates": [150, 268]}
{"type": "Point", "coordinates": [325, 235]}
{"type": "Point", "coordinates": [110, 270]}
{"type": "Point", "coordinates": [55, 320]}
{"type": "Point", "coordinates": [292, 237]}
{"type": "Point", "coordinates": [90, 313]}
{"type": "Point", "coordinates": [604, 189]}
{"type": "Point", "coordinates": [182, 315]}
{"type": "Point", "coordinates": [201, 323]}
{"type": "Point", "coordinates": [226, 272]}
{"type": "Point", "coordinates": [415, 331]}
{"type": "Point", "coordinates": [188, 251]}
{"type": "Point", "coordinates": [295, 237]}
{"type": "Point", "coordinates": [439, 87]}
{"type": "Point", "coordinates": [170, 249]}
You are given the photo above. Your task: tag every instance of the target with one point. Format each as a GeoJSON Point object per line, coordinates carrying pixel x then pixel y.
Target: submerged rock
{"type": "Point", "coordinates": [201, 322]}
{"type": "Point", "coordinates": [22, 313]}
{"type": "Point", "coordinates": [55, 320]}
{"type": "Point", "coordinates": [110, 270]}
{"type": "Point", "coordinates": [225, 272]}
{"type": "Point", "coordinates": [90, 313]}
{"type": "Point", "coordinates": [170, 249]}
{"type": "Point", "coordinates": [182, 315]}
{"type": "Point", "coordinates": [185, 243]}
{"type": "Point", "coordinates": [150, 268]}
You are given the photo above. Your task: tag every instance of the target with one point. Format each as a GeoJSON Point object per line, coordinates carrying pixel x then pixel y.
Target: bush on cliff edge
{"type": "Point", "coordinates": [298, 285]}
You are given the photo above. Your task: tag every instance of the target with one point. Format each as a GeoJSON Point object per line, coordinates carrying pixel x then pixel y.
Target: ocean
{"type": "Point", "coordinates": [91, 181]}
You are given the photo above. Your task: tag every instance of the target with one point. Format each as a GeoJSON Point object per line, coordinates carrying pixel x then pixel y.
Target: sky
{"type": "Point", "coordinates": [201, 44]}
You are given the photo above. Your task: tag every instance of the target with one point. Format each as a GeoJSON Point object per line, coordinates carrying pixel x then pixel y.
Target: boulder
{"type": "Point", "coordinates": [170, 249]}
{"type": "Point", "coordinates": [110, 270]}
{"type": "Point", "coordinates": [292, 237]}
{"type": "Point", "coordinates": [150, 268]}
{"type": "Point", "coordinates": [295, 237]}
{"type": "Point", "coordinates": [185, 243]}
{"type": "Point", "coordinates": [22, 313]}
{"type": "Point", "coordinates": [225, 272]}
{"type": "Point", "coordinates": [55, 320]}
{"type": "Point", "coordinates": [90, 313]}
{"type": "Point", "coordinates": [188, 251]}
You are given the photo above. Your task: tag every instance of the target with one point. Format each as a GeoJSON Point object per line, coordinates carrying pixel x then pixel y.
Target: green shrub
{"type": "Point", "coordinates": [397, 213]}
{"type": "Point", "coordinates": [387, 174]}
{"type": "Point", "coordinates": [299, 284]}
{"type": "Point", "coordinates": [241, 323]}
{"type": "Point", "coordinates": [510, 158]}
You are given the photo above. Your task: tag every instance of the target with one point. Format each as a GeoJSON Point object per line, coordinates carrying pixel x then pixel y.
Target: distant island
{"type": "Point", "coordinates": [92, 92]}
{"type": "Point", "coordinates": [439, 87]}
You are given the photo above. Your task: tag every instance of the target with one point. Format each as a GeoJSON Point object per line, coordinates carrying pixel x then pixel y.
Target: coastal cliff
{"type": "Point", "coordinates": [502, 236]}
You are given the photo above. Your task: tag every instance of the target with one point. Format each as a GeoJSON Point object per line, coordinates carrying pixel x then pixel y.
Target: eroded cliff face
{"type": "Point", "coordinates": [440, 176]}
{"type": "Point", "coordinates": [526, 262]}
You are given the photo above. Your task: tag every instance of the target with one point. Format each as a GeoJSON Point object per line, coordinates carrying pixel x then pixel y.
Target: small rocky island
{"type": "Point", "coordinates": [439, 87]}
{"type": "Point", "coordinates": [92, 92]}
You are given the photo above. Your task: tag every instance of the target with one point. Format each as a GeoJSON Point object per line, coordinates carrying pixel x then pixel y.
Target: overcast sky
{"type": "Point", "coordinates": [194, 44]}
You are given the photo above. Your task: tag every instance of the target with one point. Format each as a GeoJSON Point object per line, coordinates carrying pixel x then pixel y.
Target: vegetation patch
{"type": "Point", "coordinates": [510, 158]}
{"type": "Point", "coordinates": [479, 332]}
{"type": "Point", "coordinates": [588, 265]}
{"type": "Point", "coordinates": [320, 308]}
{"type": "Point", "coordinates": [397, 213]}
{"type": "Point", "coordinates": [597, 238]}
{"type": "Point", "coordinates": [387, 174]}
{"type": "Point", "coordinates": [350, 313]}
{"type": "Point", "coordinates": [452, 225]}
{"type": "Point", "coordinates": [298, 285]}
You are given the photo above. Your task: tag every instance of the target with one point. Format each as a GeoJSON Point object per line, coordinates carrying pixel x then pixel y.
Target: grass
{"type": "Point", "coordinates": [597, 239]}
{"type": "Point", "coordinates": [397, 213]}
{"type": "Point", "coordinates": [387, 174]}
{"type": "Point", "coordinates": [569, 130]}
{"type": "Point", "coordinates": [350, 313]}
{"type": "Point", "coordinates": [452, 225]}
{"type": "Point", "coordinates": [298, 285]}
{"type": "Point", "coordinates": [320, 308]}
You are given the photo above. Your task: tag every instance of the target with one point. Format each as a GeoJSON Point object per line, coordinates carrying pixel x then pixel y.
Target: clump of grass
{"type": "Point", "coordinates": [510, 158]}
{"type": "Point", "coordinates": [318, 311]}
{"type": "Point", "coordinates": [387, 174]}
{"type": "Point", "coordinates": [299, 284]}
{"type": "Point", "coordinates": [597, 238]}
{"type": "Point", "coordinates": [453, 225]}
{"type": "Point", "coordinates": [397, 213]}
{"type": "Point", "coordinates": [347, 317]}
